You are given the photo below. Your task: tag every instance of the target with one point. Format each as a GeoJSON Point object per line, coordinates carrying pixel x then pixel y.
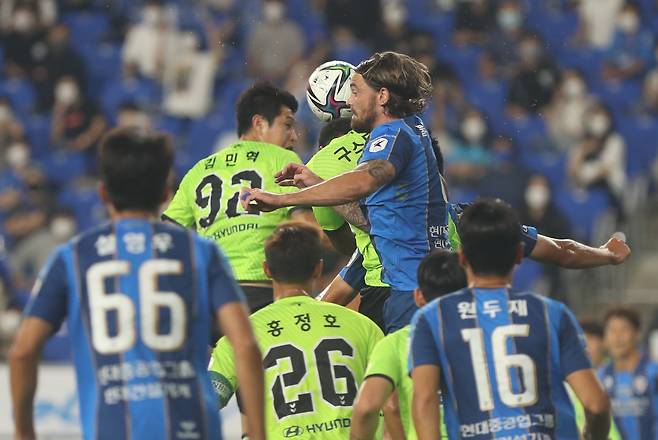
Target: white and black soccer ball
{"type": "Point", "coordinates": [328, 90]}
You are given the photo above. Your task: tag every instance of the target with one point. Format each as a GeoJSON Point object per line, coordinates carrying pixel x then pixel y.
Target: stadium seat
{"type": "Point", "coordinates": [103, 63]}
{"type": "Point", "coordinates": [142, 92]}
{"type": "Point", "coordinates": [464, 59]}
{"type": "Point", "coordinates": [526, 275]}
{"type": "Point", "coordinates": [85, 203]}
{"type": "Point", "coordinates": [62, 166]}
{"type": "Point", "coordinates": [37, 131]}
{"type": "Point", "coordinates": [87, 28]}
{"type": "Point", "coordinates": [582, 208]}
{"type": "Point", "coordinates": [489, 97]}
{"type": "Point", "coordinates": [203, 134]}
{"type": "Point", "coordinates": [640, 134]}
{"type": "Point", "coordinates": [21, 93]}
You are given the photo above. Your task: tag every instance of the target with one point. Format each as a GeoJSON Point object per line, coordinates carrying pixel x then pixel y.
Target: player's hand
{"type": "Point", "coordinates": [297, 175]}
{"type": "Point", "coordinates": [254, 198]}
{"type": "Point", "coordinates": [618, 249]}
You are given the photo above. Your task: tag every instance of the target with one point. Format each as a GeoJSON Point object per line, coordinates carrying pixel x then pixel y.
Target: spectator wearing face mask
{"type": "Point", "coordinates": [648, 103]}
{"type": "Point", "coordinates": [600, 158]}
{"type": "Point", "coordinates": [77, 125]}
{"type": "Point", "coordinates": [567, 109]}
{"type": "Point", "coordinates": [473, 21]}
{"type": "Point", "coordinates": [275, 44]}
{"type": "Point", "coordinates": [597, 18]}
{"type": "Point", "coordinates": [21, 41]}
{"type": "Point", "coordinates": [146, 42]}
{"type": "Point", "coordinates": [469, 158]}
{"type": "Point", "coordinates": [504, 43]}
{"type": "Point", "coordinates": [11, 130]}
{"type": "Point", "coordinates": [631, 50]}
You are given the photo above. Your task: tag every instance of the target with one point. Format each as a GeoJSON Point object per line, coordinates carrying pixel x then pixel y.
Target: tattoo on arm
{"type": "Point", "coordinates": [353, 214]}
{"type": "Point", "coordinates": [381, 170]}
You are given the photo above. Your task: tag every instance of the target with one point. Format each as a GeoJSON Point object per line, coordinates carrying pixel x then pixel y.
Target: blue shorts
{"type": "Point", "coordinates": [399, 308]}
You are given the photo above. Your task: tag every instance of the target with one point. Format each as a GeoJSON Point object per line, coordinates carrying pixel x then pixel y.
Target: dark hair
{"type": "Point", "coordinates": [262, 99]}
{"type": "Point", "coordinates": [623, 312]}
{"type": "Point", "coordinates": [333, 129]}
{"type": "Point", "coordinates": [490, 236]}
{"type": "Point", "coordinates": [293, 251]}
{"type": "Point", "coordinates": [440, 273]}
{"type": "Point", "coordinates": [592, 327]}
{"type": "Point", "coordinates": [407, 80]}
{"type": "Point", "coordinates": [135, 166]}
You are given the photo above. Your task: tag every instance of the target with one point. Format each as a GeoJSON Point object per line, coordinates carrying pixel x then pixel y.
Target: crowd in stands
{"type": "Point", "coordinates": [549, 104]}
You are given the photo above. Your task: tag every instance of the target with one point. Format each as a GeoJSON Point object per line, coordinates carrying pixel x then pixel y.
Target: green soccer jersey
{"type": "Point", "coordinates": [339, 156]}
{"type": "Point", "coordinates": [315, 356]}
{"type": "Point", "coordinates": [208, 199]}
{"type": "Point", "coordinates": [389, 359]}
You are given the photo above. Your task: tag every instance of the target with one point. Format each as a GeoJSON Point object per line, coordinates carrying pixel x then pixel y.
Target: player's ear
{"type": "Point", "coordinates": [258, 123]}
{"type": "Point", "coordinates": [266, 269]}
{"type": "Point", "coordinates": [102, 192]}
{"type": "Point", "coordinates": [462, 259]}
{"type": "Point", "coordinates": [419, 298]}
{"type": "Point", "coordinates": [383, 96]}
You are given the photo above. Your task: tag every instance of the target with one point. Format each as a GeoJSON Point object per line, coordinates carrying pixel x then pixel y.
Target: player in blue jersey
{"type": "Point", "coordinates": [395, 193]}
{"type": "Point", "coordinates": [141, 298]}
{"type": "Point", "coordinates": [630, 377]}
{"type": "Point", "coordinates": [500, 358]}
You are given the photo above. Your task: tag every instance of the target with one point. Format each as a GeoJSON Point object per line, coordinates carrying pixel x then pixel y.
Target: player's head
{"type": "Point", "coordinates": [333, 129]}
{"type": "Point", "coordinates": [621, 331]}
{"type": "Point", "coordinates": [267, 114]}
{"type": "Point", "coordinates": [490, 236]}
{"type": "Point", "coordinates": [438, 274]}
{"type": "Point", "coordinates": [387, 84]}
{"type": "Point", "coordinates": [293, 254]}
{"type": "Point", "coordinates": [135, 165]}
{"type": "Point", "coordinates": [593, 331]}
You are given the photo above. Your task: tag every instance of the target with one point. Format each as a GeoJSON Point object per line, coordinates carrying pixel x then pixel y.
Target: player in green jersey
{"type": "Point", "coordinates": [314, 353]}
{"type": "Point", "coordinates": [208, 196]}
{"type": "Point", "coordinates": [438, 274]}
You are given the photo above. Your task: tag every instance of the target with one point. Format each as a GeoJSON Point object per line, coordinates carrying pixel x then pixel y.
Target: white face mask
{"type": "Point", "coordinates": [5, 113]}
{"type": "Point", "coordinates": [473, 129]}
{"type": "Point", "coordinates": [66, 92]}
{"type": "Point", "coordinates": [509, 20]}
{"type": "Point", "coordinates": [273, 11]}
{"type": "Point", "coordinates": [394, 16]}
{"type": "Point", "coordinates": [536, 196]}
{"type": "Point", "coordinates": [23, 21]}
{"type": "Point", "coordinates": [598, 124]}
{"type": "Point", "coordinates": [151, 16]}
{"type": "Point", "coordinates": [17, 156]}
{"type": "Point", "coordinates": [62, 228]}
{"type": "Point", "coordinates": [574, 88]}
{"type": "Point", "coordinates": [628, 22]}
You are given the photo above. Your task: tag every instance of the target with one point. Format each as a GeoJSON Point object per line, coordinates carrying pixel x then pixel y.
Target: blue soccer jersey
{"type": "Point", "coordinates": [140, 299]}
{"type": "Point", "coordinates": [634, 397]}
{"type": "Point", "coordinates": [408, 216]}
{"type": "Point", "coordinates": [503, 358]}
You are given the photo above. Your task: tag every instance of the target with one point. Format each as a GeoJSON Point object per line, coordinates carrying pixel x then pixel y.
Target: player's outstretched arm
{"type": "Point", "coordinates": [344, 188]}
{"type": "Point", "coordinates": [235, 325]}
{"type": "Point", "coordinates": [574, 255]}
{"type": "Point", "coordinates": [372, 397]}
{"type": "Point", "coordinates": [23, 362]}
{"type": "Point", "coordinates": [595, 401]}
{"type": "Point", "coordinates": [338, 292]}
{"type": "Point", "coordinates": [425, 405]}
{"type": "Point", "coordinates": [393, 418]}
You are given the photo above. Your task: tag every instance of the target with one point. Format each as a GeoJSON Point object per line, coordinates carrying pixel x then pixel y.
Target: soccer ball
{"type": "Point", "coordinates": [328, 90]}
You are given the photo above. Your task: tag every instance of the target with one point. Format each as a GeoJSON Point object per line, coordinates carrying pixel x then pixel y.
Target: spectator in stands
{"type": "Point", "coordinates": [362, 17]}
{"type": "Point", "coordinates": [504, 43]}
{"type": "Point", "coordinates": [58, 60]}
{"type": "Point", "coordinates": [593, 330]}
{"type": "Point", "coordinates": [648, 103]}
{"type": "Point", "coordinates": [77, 125]}
{"type": "Point", "coordinates": [21, 41]}
{"type": "Point", "coordinates": [507, 179]}
{"type": "Point", "coordinates": [10, 315]}
{"type": "Point", "coordinates": [469, 158]}
{"type": "Point", "coordinates": [599, 160]}
{"type": "Point", "coordinates": [146, 41]}
{"type": "Point", "coordinates": [474, 21]}
{"type": "Point", "coordinates": [130, 115]}
{"type": "Point", "coordinates": [532, 87]}
{"type": "Point", "coordinates": [11, 129]}
{"type": "Point", "coordinates": [567, 109]}
{"type": "Point", "coordinates": [394, 32]}
{"type": "Point", "coordinates": [45, 12]}
{"type": "Point", "coordinates": [631, 50]}
{"type": "Point", "coordinates": [598, 19]}
{"type": "Point", "coordinates": [275, 44]}
{"type": "Point", "coordinates": [540, 211]}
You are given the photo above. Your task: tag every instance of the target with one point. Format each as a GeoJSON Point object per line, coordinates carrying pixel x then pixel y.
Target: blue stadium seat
{"type": "Point", "coordinates": [424, 17]}
{"type": "Point", "coordinates": [37, 130]}
{"type": "Point", "coordinates": [21, 93]}
{"type": "Point", "coordinates": [582, 209]}
{"type": "Point", "coordinates": [464, 59]}
{"type": "Point", "coordinates": [641, 136]}
{"type": "Point", "coordinates": [556, 29]}
{"type": "Point", "coordinates": [103, 63]}
{"type": "Point", "coordinates": [87, 28]}
{"type": "Point", "coordinates": [85, 203]}
{"type": "Point", "coordinates": [552, 165]}
{"type": "Point", "coordinates": [204, 132]}
{"type": "Point", "coordinates": [619, 97]}
{"type": "Point", "coordinates": [142, 92]}
{"type": "Point", "coordinates": [489, 97]}
{"type": "Point", "coordinates": [526, 275]}
{"type": "Point", "coordinates": [63, 166]}
{"type": "Point", "coordinates": [588, 62]}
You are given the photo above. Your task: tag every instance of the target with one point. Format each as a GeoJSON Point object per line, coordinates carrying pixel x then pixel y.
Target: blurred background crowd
{"type": "Point", "coordinates": [550, 104]}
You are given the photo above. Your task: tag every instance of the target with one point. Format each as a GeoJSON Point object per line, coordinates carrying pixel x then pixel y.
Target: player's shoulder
{"type": "Point", "coordinates": [95, 237]}
{"type": "Point", "coordinates": [391, 129]}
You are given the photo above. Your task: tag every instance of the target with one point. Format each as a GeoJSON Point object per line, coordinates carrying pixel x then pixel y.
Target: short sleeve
{"type": "Point", "coordinates": [222, 371]}
{"type": "Point", "coordinates": [222, 286]}
{"type": "Point", "coordinates": [529, 239]}
{"type": "Point", "coordinates": [179, 209]}
{"type": "Point", "coordinates": [354, 273]}
{"type": "Point", "coordinates": [423, 349]}
{"type": "Point", "coordinates": [390, 145]}
{"type": "Point", "coordinates": [328, 218]}
{"type": "Point", "coordinates": [50, 293]}
{"type": "Point", "coordinates": [384, 361]}
{"type": "Point", "coordinates": [573, 356]}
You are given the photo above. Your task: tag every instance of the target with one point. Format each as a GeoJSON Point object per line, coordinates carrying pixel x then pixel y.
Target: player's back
{"type": "Point", "coordinates": [503, 359]}
{"type": "Point", "coordinates": [139, 316]}
{"type": "Point", "coordinates": [633, 398]}
{"type": "Point", "coordinates": [208, 199]}
{"type": "Point", "coordinates": [408, 216]}
{"type": "Point", "coordinates": [315, 356]}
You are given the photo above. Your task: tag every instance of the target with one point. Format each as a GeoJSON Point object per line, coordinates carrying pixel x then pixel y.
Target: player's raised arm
{"type": "Point", "coordinates": [574, 255]}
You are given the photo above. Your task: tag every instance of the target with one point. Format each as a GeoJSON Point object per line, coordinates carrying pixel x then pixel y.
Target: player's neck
{"type": "Point", "coordinates": [489, 281]}
{"type": "Point", "coordinates": [251, 137]}
{"type": "Point", "coordinates": [382, 119]}
{"type": "Point", "coordinates": [133, 215]}
{"type": "Point", "coordinates": [628, 362]}
{"type": "Point", "coordinates": [288, 290]}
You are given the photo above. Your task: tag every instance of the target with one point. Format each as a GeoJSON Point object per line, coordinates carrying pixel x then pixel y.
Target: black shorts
{"type": "Point", "coordinates": [372, 304]}
{"type": "Point", "coordinates": [258, 297]}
